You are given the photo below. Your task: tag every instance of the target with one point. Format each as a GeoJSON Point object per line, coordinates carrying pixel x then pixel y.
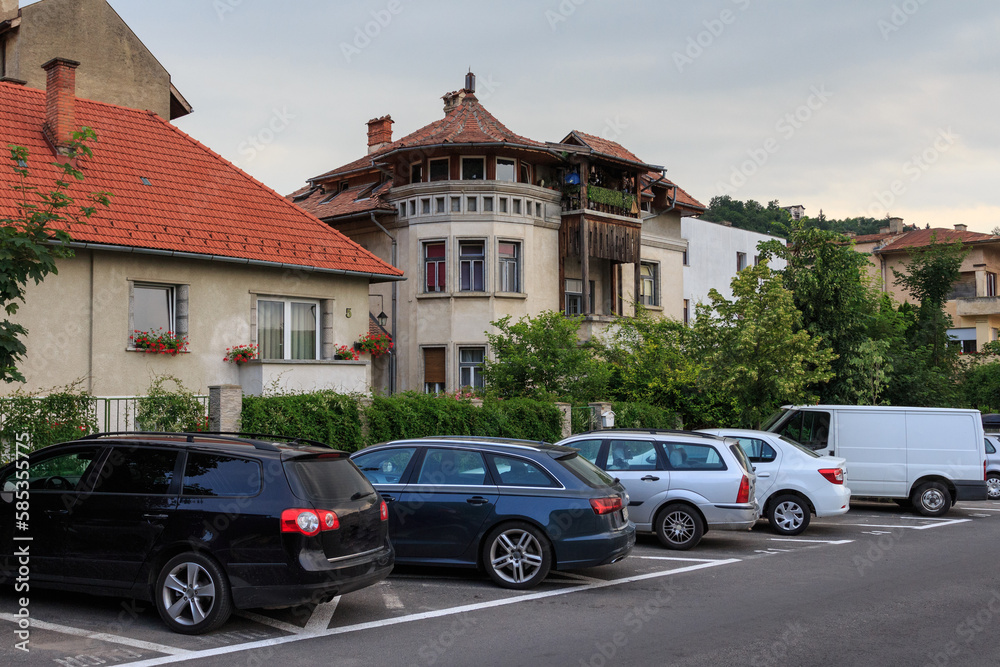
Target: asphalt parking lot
{"type": "Point", "coordinates": [80, 630]}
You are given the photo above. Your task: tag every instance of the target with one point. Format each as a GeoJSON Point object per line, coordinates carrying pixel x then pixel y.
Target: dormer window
{"type": "Point", "coordinates": [473, 169]}
{"type": "Point", "coordinates": [506, 169]}
{"type": "Point", "coordinates": [439, 169]}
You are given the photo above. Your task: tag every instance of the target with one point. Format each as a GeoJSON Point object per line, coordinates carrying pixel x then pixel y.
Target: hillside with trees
{"type": "Point", "coordinates": [774, 220]}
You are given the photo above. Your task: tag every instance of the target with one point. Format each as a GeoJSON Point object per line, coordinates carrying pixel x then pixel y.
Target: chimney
{"type": "Point", "coordinates": [470, 82]}
{"type": "Point", "coordinates": [8, 9]}
{"type": "Point", "coordinates": [379, 133]}
{"type": "Point", "coordinates": [452, 100]}
{"type": "Point", "coordinates": [961, 228]}
{"type": "Point", "coordinates": [60, 102]}
{"type": "Point", "coordinates": [895, 226]}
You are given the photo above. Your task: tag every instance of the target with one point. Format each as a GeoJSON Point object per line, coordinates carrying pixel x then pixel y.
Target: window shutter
{"type": "Point", "coordinates": [434, 364]}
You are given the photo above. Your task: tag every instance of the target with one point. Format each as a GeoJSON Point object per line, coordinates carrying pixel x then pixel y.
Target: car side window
{"type": "Point", "coordinates": [990, 449]}
{"type": "Point", "coordinates": [757, 450]}
{"type": "Point", "coordinates": [137, 470]}
{"type": "Point", "coordinates": [589, 449]}
{"type": "Point", "coordinates": [452, 467]}
{"type": "Point", "coordinates": [213, 475]}
{"type": "Point", "coordinates": [518, 472]}
{"type": "Point", "coordinates": [809, 427]}
{"type": "Point", "coordinates": [60, 473]}
{"type": "Point", "coordinates": [385, 466]}
{"type": "Point", "coordinates": [632, 455]}
{"type": "Point", "coordinates": [687, 456]}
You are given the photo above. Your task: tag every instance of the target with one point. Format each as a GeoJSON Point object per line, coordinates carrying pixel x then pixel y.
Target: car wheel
{"type": "Point", "coordinates": [192, 594]}
{"type": "Point", "coordinates": [788, 515]}
{"type": "Point", "coordinates": [679, 527]}
{"type": "Point", "coordinates": [993, 486]}
{"type": "Point", "coordinates": [517, 555]}
{"type": "Point", "coordinates": [931, 499]}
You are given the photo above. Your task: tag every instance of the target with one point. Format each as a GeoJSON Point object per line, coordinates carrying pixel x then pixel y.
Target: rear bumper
{"type": "Point", "coordinates": [312, 580]}
{"type": "Point", "coordinates": [970, 490]}
{"type": "Point", "coordinates": [735, 516]}
{"type": "Point", "coordinates": [594, 550]}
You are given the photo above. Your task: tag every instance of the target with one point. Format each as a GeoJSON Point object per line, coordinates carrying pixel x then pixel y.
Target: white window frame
{"type": "Point", "coordinates": [741, 261]}
{"type": "Point", "coordinates": [513, 163]}
{"type": "Point", "coordinates": [177, 321]}
{"type": "Point", "coordinates": [443, 261]}
{"type": "Point", "coordinates": [419, 163]}
{"type": "Point", "coordinates": [475, 369]}
{"type": "Point", "coordinates": [504, 267]}
{"type": "Point", "coordinates": [654, 283]}
{"type": "Point", "coordinates": [525, 165]}
{"type": "Point", "coordinates": [286, 333]}
{"type": "Point", "coordinates": [472, 261]}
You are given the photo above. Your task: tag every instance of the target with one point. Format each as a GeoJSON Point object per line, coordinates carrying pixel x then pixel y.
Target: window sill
{"type": "Point", "coordinates": [511, 295]}
{"type": "Point", "coordinates": [654, 308]}
{"type": "Point", "coordinates": [302, 362]}
{"type": "Point", "coordinates": [434, 295]}
{"type": "Point", "coordinates": [156, 354]}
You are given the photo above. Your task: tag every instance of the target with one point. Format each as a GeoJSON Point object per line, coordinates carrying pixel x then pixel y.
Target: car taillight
{"type": "Point", "coordinates": [744, 495]}
{"type": "Point", "coordinates": [606, 505]}
{"type": "Point", "coordinates": [308, 522]}
{"type": "Point", "coordinates": [383, 511]}
{"type": "Point", "coordinates": [833, 475]}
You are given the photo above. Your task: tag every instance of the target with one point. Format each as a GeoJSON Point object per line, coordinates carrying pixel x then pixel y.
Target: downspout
{"type": "Point", "coordinates": [395, 287]}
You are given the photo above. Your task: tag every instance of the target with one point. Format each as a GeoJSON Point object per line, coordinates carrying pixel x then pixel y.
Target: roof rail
{"type": "Point", "coordinates": [651, 431]}
{"type": "Point", "coordinates": [263, 441]}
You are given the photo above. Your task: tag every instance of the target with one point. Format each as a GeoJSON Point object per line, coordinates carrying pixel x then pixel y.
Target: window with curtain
{"type": "Point", "coordinates": [472, 266]}
{"type": "Point", "coordinates": [287, 329]}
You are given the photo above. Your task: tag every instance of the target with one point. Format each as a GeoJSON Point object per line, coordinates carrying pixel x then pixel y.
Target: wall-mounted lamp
{"type": "Point", "coordinates": [381, 317]}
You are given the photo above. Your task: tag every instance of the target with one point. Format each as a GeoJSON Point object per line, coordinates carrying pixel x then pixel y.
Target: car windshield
{"type": "Point", "coordinates": [799, 446]}
{"type": "Point", "coordinates": [773, 420]}
{"type": "Point", "coordinates": [586, 471]}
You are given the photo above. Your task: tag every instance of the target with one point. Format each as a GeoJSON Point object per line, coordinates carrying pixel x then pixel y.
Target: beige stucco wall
{"type": "Point", "coordinates": [78, 320]}
{"type": "Point", "coordinates": [115, 66]}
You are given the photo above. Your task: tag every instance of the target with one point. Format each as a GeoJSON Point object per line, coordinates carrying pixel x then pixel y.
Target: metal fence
{"type": "Point", "coordinates": [112, 413]}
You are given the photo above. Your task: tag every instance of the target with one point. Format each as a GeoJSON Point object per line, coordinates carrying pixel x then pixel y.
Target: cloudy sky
{"type": "Point", "coordinates": [855, 107]}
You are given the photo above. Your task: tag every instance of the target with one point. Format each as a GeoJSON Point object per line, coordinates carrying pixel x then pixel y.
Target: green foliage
{"type": "Point", "coordinates": [608, 197]}
{"type": "Point", "coordinates": [644, 415]}
{"type": "Point", "coordinates": [770, 219]}
{"type": "Point", "coordinates": [981, 387]}
{"type": "Point", "coordinates": [60, 416]}
{"type": "Point", "coordinates": [164, 410]}
{"type": "Point", "coordinates": [754, 350]}
{"type": "Point", "coordinates": [26, 249]}
{"type": "Point", "coordinates": [324, 416]}
{"type": "Point", "coordinates": [542, 357]}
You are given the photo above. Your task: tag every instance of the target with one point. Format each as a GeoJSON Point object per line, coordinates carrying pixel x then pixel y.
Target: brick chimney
{"type": "Point", "coordinates": [959, 227]}
{"type": "Point", "coordinates": [60, 102]}
{"type": "Point", "coordinates": [379, 133]}
{"type": "Point", "coordinates": [895, 225]}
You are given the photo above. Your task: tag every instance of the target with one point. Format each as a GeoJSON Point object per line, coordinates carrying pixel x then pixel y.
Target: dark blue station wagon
{"type": "Point", "coordinates": [514, 508]}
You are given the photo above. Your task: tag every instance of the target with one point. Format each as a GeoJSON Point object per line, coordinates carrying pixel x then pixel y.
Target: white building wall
{"type": "Point", "coordinates": [712, 256]}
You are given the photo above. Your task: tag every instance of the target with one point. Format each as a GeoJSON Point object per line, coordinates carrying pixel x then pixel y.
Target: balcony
{"type": "Point", "coordinates": [977, 306]}
{"type": "Point", "coordinates": [602, 200]}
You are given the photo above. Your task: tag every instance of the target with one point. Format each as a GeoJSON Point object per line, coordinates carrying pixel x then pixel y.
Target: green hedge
{"type": "Point", "coordinates": [44, 421]}
{"type": "Point", "coordinates": [323, 415]}
{"type": "Point", "coordinates": [644, 415]}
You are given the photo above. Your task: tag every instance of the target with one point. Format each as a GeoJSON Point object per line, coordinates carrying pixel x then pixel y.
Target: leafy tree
{"type": "Point", "coordinates": [34, 238]}
{"type": "Point", "coordinates": [981, 386]}
{"type": "Point", "coordinates": [754, 349]}
{"type": "Point", "coordinates": [770, 219]}
{"type": "Point", "coordinates": [542, 356]}
{"type": "Point", "coordinates": [164, 410]}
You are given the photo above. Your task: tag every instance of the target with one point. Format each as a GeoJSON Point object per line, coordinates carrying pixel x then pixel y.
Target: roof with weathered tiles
{"type": "Point", "coordinates": [925, 237]}
{"type": "Point", "coordinates": [196, 201]}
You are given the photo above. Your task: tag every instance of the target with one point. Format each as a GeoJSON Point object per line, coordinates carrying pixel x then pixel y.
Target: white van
{"type": "Point", "coordinates": [930, 457]}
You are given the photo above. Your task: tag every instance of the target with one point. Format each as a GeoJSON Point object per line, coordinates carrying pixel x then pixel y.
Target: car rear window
{"type": "Point", "coordinates": [518, 472]}
{"type": "Point", "coordinates": [213, 475]}
{"type": "Point", "coordinates": [327, 479]}
{"type": "Point", "coordinates": [586, 471]}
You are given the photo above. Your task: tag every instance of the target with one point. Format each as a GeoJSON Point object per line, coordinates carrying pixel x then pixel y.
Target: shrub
{"type": "Point", "coordinates": [644, 415]}
{"type": "Point", "coordinates": [57, 417]}
{"type": "Point", "coordinates": [165, 410]}
{"type": "Point", "coordinates": [324, 416]}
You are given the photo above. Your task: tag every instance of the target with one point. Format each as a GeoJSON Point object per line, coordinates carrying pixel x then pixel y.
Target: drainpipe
{"type": "Point", "coordinates": [395, 287]}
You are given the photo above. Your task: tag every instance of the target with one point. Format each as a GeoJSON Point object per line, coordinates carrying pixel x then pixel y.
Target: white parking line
{"type": "Point", "coordinates": [392, 600]}
{"type": "Point", "coordinates": [267, 620]}
{"type": "Point", "coordinates": [695, 560]}
{"type": "Point", "coordinates": [98, 636]}
{"type": "Point", "coordinates": [223, 650]}
{"type": "Point", "coordinates": [987, 509]}
{"type": "Point", "coordinates": [320, 619]}
{"type": "Point", "coordinates": [947, 522]}
{"type": "Point", "coordinates": [795, 539]}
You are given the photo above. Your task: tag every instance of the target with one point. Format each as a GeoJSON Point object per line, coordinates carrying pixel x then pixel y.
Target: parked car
{"type": "Point", "coordinates": [793, 482]}
{"type": "Point", "coordinates": [681, 483]}
{"type": "Point", "coordinates": [992, 466]}
{"type": "Point", "coordinates": [928, 457]}
{"type": "Point", "coordinates": [514, 508]}
{"type": "Point", "coordinates": [197, 524]}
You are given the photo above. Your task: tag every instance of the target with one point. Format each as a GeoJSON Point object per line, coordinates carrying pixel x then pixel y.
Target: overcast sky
{"type": "Point", "coordinates": [855, 107]}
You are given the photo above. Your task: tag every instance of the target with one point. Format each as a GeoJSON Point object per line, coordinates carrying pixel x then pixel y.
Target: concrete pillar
{"type": "Point", "coordinates": [327, 343]}
{"type": "Point", "coordinates": [984, 332]}
{"type": "Point", "coordinates": [980, 279]}
{"type": "Point", "coordinates": [601, 416]}
{"type": "Point", "coordinates": [225, 407]}
{"type": "Point", "coordinates": [566, 417]}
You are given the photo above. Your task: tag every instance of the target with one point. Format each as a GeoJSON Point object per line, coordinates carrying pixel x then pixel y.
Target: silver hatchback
{"type": "Point", "coordinates": [680, 483]}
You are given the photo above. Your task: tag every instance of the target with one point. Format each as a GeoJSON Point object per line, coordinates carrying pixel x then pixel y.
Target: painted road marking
{"type": "Point", "coordinates": [267, 620]}
{"type": "Point", "coordinates": [947, 522]}
{"type": "Point", "coordinates": [224, 650]}
{"type": "Point", "coordinates": [795, 539]}
{"type": "Point", "coordinates": [99, 636]}
{"type": "Point", "coordinates": [392, 600]}
{"type": "Point", "coordinates": [321, 616]}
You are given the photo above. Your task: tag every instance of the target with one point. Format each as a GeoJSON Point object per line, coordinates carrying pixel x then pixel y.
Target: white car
{"type": "Point", "coordinates": [793, 482]}
{"type": "Point", "coordinates": [992, 466]}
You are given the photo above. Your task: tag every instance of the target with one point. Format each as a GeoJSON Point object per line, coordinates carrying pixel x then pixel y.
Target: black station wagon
{"type": "Point", "coordinates": [514, 508]}
{"type": "Point", "coordinates": [198, 524]}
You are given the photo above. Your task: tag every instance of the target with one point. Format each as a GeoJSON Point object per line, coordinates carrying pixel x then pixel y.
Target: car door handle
{"type": "Point", "coordinates": [388, 499]}
{"type": "Point", "coordinates": [477, 500]}
{"type": "Point", "coordinates": [763, 474]}
{"type": "Point", "coordinates": [650, 478]}
{"type": "Point", "coordinates": [156, 517]}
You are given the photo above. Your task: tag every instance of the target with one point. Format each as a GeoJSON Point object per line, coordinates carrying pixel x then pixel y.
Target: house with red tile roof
{"type": "Point", "coordinates": [191, 245]}
{"type": "Point", "coordinates": [489, 223]}
{"type": "Point", "coordinates": [974, 303]}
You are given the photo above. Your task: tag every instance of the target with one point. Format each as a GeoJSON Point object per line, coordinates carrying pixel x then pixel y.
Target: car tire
{"type": "Point", "coordinates": [931, 499]}
{"type": "Point", "coordinates": [192, 594]}
{"type": "Point", "coordinates": [517, 555]}
{"type": "Point", "coordinates": [993, 486]}
{"type": "Point", "coordinates": [788, 515]}
{"type": "Point", "coordinates": [679, 527]}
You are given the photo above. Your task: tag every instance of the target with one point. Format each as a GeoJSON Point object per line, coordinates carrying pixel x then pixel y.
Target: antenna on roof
{"type": "Point", "coordinates": [470, 82]}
